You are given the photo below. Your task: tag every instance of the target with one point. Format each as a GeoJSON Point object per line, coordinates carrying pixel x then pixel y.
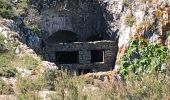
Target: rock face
{"type": "Point", "coordinates": [111, 18]}
{"type": "Point", "coordinates": [144, 14]}
{"type": "Point", "coordinates": [12, 33]}
{"type": "Point", "coordinates": [85, 18]}
{"type": "Point", "coordinates": [89, 17]}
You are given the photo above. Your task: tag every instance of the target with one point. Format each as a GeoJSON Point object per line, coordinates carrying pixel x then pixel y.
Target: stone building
{"type": "Point", "coordinates": [76, 35]}
{"type": "Point", "coordinates": [83, 57]}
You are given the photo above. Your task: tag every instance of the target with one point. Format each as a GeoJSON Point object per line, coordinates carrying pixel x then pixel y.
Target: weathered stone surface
{"type": "Point", "coordinates": [49, 65]}
{"type": "Point", "coordinates": [84, 48]}
{"type": "Point", "coordinates": [83, 18]}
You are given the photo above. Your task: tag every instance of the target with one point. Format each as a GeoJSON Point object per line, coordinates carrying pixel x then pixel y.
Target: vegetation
{"type": "Point", "coordinates": [26, 61]}
{"type": "Point", "coordinates": [10, 9]}
{"type": "Point", "coordinates": [128, 3]}
{"type": "Point", "coordinates": [5, 9]}
{"type": "Point", "coordinates": [148, 88]}
{"type": "Point", "coordinates": [58, 81]}
{"type": "Point", "coordinates": [8, 71]}
{"type": "Point", "coordinates": [144, 57]}
{"type": "Point", "coordinates": [5, 89]}
{"type": "Point", "coordinates": [145, 68]}
{"type": "Point", "coordinates": [5, 59]}
{"type": "Point", "coordinates": [22, 8]}
{"type": "Point", "coordinates": [130, 20]}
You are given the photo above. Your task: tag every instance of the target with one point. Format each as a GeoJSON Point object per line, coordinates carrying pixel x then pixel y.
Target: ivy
{"type": "Point", "coordinates": [143, 57]}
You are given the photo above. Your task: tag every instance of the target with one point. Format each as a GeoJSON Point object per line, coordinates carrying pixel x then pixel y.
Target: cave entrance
{"type": "Point", "coordinates": [97, 56]}
{"type": "Point", "coordinates": [67, 57]}
{"type": "Point", "coordinates": [63, 36]}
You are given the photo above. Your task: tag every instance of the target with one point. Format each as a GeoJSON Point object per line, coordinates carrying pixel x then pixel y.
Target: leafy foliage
{"type": "Point", "coordinates": [8, 71]}
{"type": "Point", "coordinates": [5, 9]}
{"type": "Point", "coordinates": [143, 56]}
{"type": "Point", "coordinates": [5, 68]}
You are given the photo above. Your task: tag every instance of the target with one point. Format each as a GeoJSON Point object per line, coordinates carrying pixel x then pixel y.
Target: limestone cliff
{"type": "Point", "coordinates": [112, 18]}
{"type": "Point", "coordinates": [108, 19]}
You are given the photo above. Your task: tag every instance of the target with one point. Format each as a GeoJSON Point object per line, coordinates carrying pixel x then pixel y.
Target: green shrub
{"type": "Point", "coordinates": [143, 56]}
{"type": "Point", "coordinates": [149, 88]}
{"type": "Point", "coordinates": [50, 76]}
{"type": "Point", "coordinates": [8, 72]}
{"type": "Point", "coordinates": [5, 89]}
{"type": "Point", "coordinates": [5, 9]}
{"type": "Point", "coordinates": [5, 68]}
{"type": "Point", "coordinates": [27, 85]}
{"type": "Point", "coordinates": [6, 58]}
{"type": "Point", "coordinates": [59, 81]}
{"type": "Point", "coordinates": [26, 61]}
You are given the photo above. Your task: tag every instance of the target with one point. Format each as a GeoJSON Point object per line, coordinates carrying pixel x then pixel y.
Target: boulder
{"type": "Point", "coordinates": [45, 65]}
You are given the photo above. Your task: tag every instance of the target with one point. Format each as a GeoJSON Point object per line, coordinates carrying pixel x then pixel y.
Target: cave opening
{"type": "Point", "coordinates": [67, 57]}
{"type": "Point", "coordinates": [97, 56]}
{"type": "Point", "coordinates": [63, 36]}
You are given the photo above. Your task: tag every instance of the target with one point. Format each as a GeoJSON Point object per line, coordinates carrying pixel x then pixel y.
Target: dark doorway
{"type": "Point", "coordinates": [66, 57]}
{"type": "Point", "coordinates": [84, 71]}
{"type": "Point", "coordinates": [97, 56]}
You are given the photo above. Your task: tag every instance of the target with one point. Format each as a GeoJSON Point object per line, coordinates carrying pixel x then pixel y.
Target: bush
{"type": "Point", "coordinates": [27, 85]}
{"type": "Point", "coordinates": [5, 9]}
{"type": "Point", "coordinates": [8, 72]}
{"type": "Point", "coordinates": [143, 56]}
{"type": "Point", "coordinates": [6, 58]}
{"type": "Point", "coordinates": [58, 80]}
{"type": "Point", "coordinates": [5, 68]}
{"type": "Point", "coordinates": [26, 61]}
{"type": "Point", "coordinates": [152, 86]}
{"type": "Point", "coordinates": [5, 89]}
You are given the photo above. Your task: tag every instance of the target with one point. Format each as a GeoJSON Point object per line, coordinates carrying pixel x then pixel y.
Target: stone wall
{"type": "Point", "coordinates": [84, 48]}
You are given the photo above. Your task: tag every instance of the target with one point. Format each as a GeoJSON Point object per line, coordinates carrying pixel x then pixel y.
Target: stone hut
{"type": "Point", "coordinates": [75, 36]}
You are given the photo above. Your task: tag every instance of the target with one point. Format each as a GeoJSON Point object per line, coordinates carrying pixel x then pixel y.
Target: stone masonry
{"type": "Point", "coordinates": [84, 55]}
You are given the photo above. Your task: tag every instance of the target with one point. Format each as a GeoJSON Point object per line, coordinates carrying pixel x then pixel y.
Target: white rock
{"type": "Point", "coordinates": [49, 65]}
{"type": "Point", "coordinates": [24, 72]}
{"type": "Point", "coordinates": [17, 51]}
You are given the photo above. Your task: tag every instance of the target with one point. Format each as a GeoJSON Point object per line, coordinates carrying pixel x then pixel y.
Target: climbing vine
{"type": "Point", "coordinates": [143, 56]}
